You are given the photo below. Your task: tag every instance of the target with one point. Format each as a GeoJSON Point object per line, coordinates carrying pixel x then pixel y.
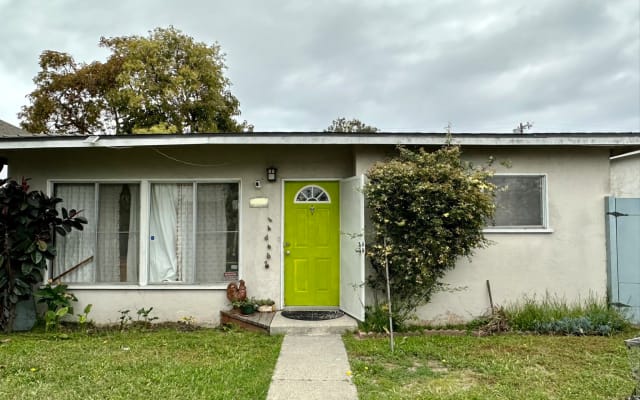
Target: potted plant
{"type": "Point", "coordinates": [246, 307]}
{"type": "Point", "coordinates": [265, 305]}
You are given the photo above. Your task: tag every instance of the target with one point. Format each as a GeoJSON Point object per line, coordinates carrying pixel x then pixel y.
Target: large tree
{"type": "Point", "coordinates": [165, 79]}
{"type": "Point", "coordinates": [340, 125]}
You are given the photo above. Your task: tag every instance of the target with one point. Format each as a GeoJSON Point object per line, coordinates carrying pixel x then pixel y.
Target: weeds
{"type": "Point", "coordinates": [83, 318]}
{"type": "Point", "coordinates": [377, 319]}
{"type": "Point", "coordinates": [145, 314]}
{"type": "Point", "coordinates": [52, 318]}
{"type": "Point", "coordinates": [555, 315]}
{"type": "Point", "coordinates": [124, 320]}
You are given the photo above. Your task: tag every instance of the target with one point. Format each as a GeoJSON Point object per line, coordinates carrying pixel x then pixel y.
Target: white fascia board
{"type": "Point", "coordinates": [494, 140]}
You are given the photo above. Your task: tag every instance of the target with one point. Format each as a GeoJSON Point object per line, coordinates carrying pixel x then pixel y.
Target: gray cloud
{"type": "Point", "coordinates": [570, 65]}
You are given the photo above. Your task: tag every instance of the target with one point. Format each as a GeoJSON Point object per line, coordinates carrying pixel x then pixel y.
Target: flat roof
{"type": "Point", "coordinates": [597, 139]}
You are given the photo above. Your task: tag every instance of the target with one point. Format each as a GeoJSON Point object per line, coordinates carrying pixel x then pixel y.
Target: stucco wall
{"type": "Point", "coordinates": [568, 262]}
{"type": "Point", "coordinates": [625, 176]}
{"type": "Point", "coordinates": [246, 163]}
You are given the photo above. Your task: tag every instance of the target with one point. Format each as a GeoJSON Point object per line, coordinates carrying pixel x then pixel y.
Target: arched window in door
{"type": "Point", "coordinates": [312, 194]}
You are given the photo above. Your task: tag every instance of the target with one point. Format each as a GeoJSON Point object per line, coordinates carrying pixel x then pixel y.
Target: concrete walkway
{"type": "Point", "coordinates": [312, 367]}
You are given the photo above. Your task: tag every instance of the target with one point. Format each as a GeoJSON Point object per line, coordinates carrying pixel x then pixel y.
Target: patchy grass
{"type": "Point", "coordinates": [497, 367]}
{"type": "Point", "coordinates": [167, 364]}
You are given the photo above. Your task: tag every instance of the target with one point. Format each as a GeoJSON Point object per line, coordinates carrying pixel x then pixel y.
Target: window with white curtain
{"type": "Point", "coordinates": [106, 251]}
{"type": "Point", "coordinates": [193, 229]}
{"type": "Point", "coordinates": [520, 202]}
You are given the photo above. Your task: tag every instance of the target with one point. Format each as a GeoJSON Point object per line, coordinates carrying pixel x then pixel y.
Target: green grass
{"type": "Point", "coordinates": [497, 367]}
{"type": "Point", "coordinates": [167, 364]}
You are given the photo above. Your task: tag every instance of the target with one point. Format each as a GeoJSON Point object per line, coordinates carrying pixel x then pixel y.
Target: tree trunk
{"type": "Point", "coordinates": [8, 309]}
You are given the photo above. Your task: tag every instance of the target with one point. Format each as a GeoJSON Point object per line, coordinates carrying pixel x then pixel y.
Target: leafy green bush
{"type": "Point", "coordinates": [427, 210]}
{"type": "Point", "coordinates": [376, 319]}
{"type": "Point", "coordinates": [554, 315]}
{"type": "Point", "coordinates": [56, 297]}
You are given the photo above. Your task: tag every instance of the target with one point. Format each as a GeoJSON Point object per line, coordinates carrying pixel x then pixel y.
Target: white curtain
{"type": "Point", "coordinates": [171, 231]}
{"type": "Point", "coordinates": [108, 249]}
{"type": "Point", "coordinates": [101, 236]}
{"type": "Point", "coordinates": [211, 242]}
{"type": "Point", "coordinates": [77, 246]}
{"type": "Point", "coordinates": [113, 266]}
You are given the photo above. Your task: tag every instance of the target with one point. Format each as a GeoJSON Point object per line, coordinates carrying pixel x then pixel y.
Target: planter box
{"type": "Point", "coordinates": [25, 315]}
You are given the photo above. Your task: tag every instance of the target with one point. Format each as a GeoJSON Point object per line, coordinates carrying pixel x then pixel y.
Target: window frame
{"type": "Point", "coordinates": [545, 227]}
{"type": "Point", "coordinates": [143, 248]}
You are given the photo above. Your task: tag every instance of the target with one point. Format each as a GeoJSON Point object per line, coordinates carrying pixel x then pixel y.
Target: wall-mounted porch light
{"type": "Point", "coordinates": [271, 174]}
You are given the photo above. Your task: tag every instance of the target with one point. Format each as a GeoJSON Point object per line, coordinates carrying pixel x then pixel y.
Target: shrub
{"type": "Point", "coordinates": [427, 210]}
{"type": "Point", "coordinates": [56, 297]}
{"type": "Point", "coordinates": [376, 319]}
{"type": "Point", "coordinates": [27, 222]}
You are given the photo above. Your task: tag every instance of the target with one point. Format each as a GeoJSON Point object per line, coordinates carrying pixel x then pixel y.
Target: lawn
{"type": "Point", "coordinates": [165, 364]}
{"type": "Point", "coordinates": [499, 367]}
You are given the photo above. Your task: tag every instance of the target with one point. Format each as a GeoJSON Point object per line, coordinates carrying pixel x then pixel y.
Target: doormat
{"type": "Point", "coordinates": [313, 315]}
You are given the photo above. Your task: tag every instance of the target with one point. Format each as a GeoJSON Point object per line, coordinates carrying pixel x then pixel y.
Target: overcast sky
{"type": "Point", "coordinates": [402, 66]}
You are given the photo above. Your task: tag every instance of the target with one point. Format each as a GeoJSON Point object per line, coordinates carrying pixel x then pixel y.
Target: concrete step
{"type": "Point", "coordinates": [281, 326]}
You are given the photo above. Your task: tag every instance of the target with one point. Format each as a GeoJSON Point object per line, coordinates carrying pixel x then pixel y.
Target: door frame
{"type": "Point", "coordinates": [281, 241]}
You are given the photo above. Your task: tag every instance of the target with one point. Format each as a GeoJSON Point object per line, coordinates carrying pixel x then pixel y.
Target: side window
{"type": "Point", "coordinates": [520, 202]}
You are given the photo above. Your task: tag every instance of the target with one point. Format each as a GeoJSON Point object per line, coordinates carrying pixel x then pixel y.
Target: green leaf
{"type": "Point", "coordinates": [36, 257]}
{"type": "Point", "coordinates": [26, 268]}
{"type": "Point", "coordinates": [61, 312]}
{"type": "Point", "coordinates": [42, 245]}
{"type": "Point", "coordinates": [77, 225]}
{"type": "Point", "coordinates": [13, 298]}
{"type": "Point", "coordinates": [33, 201]}
{"type": "Point", "coordinates": [65, 214]}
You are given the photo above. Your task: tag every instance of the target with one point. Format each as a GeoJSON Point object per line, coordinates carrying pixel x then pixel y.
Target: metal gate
{"type": "Point", "coordinates": [623, 254]}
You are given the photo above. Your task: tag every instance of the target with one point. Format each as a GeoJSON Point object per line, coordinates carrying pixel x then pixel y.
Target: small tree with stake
{"type": "Point", "coordinates": [28, 220]}
{"type": "Point", "coordinates": [427, 210]}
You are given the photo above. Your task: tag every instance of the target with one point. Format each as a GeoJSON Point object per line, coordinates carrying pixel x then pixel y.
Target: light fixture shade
{"type": "Point", "coordinates": [272, 174]}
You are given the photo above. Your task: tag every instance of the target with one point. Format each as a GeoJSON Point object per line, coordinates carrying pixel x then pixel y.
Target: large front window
{"type": "Point", "coordinates": [193, 232]}
{"type": "Point", "coordinates": [106, 251]}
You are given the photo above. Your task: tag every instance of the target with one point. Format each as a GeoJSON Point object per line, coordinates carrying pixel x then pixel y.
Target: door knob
{"type": "Point", "coordinates": [287, 252]}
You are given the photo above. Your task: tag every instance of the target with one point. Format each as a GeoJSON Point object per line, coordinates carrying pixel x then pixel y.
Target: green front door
{"type": "Point", "coordinates": [311, 243]}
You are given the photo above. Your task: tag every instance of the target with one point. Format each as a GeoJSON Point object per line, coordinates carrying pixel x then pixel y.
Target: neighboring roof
{"type": "Point", "coordinates": [8, 130]}
{"type": "Point", "coordinates": [622, 140]}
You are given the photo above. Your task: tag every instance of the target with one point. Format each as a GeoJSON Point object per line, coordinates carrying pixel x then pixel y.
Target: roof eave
{"type": "Point", "coordinates": [622, 139]}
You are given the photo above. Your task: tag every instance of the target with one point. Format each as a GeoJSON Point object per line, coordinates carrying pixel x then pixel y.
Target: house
{"type": "Point", "coordinates": [174, 218]}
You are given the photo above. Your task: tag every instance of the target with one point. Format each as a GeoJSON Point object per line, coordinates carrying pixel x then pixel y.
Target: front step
{"type": "Point", "coordinates": [282, 326]}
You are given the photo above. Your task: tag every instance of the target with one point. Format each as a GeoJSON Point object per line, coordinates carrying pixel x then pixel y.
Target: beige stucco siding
{"type": "Point", "coordinates": [625, 176]}
{"type": "Point", "coordinates": [243, 163]}
{"type": "Point", "coordinates": [569, 261]}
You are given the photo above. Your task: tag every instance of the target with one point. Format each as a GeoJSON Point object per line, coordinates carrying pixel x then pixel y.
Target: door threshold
{"type": "Point", "coordinates": [310, 308]}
